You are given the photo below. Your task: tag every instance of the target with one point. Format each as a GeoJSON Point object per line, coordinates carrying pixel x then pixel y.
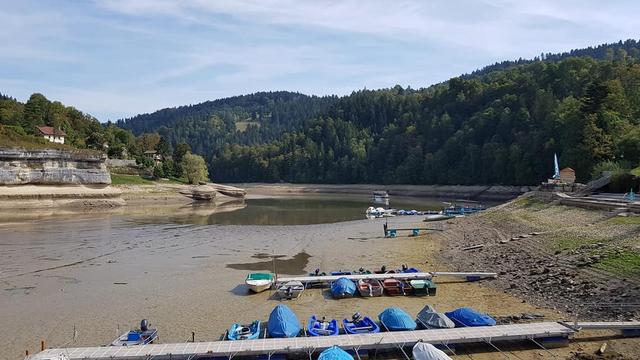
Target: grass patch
{"type": "Point", "coordinates": [626, 263]}
{"type": "Point", "coordinates": [242, 125]}
{"type": "Point", "coordinates": [624, 220]}
{"type": "Point", "coordinates": [530, 202]}
{"type": "Point", "coordinates": [120, 179]}
{"type": "Point", "coordinates": [12, 137]}
{"type": "Point", "coordinates": [569, 241]}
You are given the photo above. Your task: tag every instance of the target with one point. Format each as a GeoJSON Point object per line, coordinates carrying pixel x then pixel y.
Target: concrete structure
{"type": "Point", "coordinates": [52, 134]}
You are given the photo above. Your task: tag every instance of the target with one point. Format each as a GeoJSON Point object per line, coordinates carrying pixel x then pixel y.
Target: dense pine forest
{"type": "Point", "coordinates": [498, 125]}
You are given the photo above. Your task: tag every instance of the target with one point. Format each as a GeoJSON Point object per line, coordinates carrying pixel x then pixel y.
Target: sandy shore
{"type": "Point", "coordinates": [103, 273]}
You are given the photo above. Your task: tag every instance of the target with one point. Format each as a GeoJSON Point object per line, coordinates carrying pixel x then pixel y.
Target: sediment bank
{"type": "Point", "coordinates": [474, 192]}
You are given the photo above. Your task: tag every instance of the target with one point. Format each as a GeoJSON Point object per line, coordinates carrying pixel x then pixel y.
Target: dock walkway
{"type": "Point", "coordinates": [399, 276]}
{"type": "Point", "coordinates": [308, 345]}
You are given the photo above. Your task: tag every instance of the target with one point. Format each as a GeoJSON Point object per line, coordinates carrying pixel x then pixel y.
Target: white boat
{"type": "Point", "coordinates": [379, 212]}
{"type": "Point", "coordinates": [290, 290]}
{"type": "Point", "coordinates": [258, 282]}
{"type": "Point", "coordinates": [426, 351]}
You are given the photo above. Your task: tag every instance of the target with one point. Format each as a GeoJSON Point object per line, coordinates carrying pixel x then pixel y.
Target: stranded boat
{"type": "Point", "coordinates": [322, 327]}
{"type": "Point", "coordinates": [141, 336]}
{"type": "Point", "coordinates": [360, 325]}
{"type": "Point", "coordinates": [369, 287]}
{"type": "Point", "coordinates": [244, 332]}
{"type": "Point", "coordinates": [283, 323]}
{"type": "Point", "coordinates": [291, 290]}
{"type": "Point", "coordinates": [258, 282]}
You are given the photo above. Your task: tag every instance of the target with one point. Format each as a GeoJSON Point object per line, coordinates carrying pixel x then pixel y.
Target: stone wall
{"type": "Point", "coordinates": [52, 167]}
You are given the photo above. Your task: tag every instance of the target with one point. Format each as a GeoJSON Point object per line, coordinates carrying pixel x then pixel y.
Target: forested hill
{"type": "Point", "coordinates": [496, 127]}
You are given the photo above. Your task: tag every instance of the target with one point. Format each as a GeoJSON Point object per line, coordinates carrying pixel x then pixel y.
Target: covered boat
{"type": "Point", "coordinates": [244, 332]}
{"type": "Point", "coordinates": [465, 316]}
{"type": "Point", "coordinates": [395, 287]}
{"type": "Point", "coordinates": [141, 336]}
{"type": "Point", "coordinates": [322, 327]}
{"type": "Point", "coordinates": [283, 323]}
{"type": "Point", "coordinates": [343, 288]}
{"type": "Point", "coordinates": [426, 351]}
{"type": "Point", "coordinates": [429, 318]}
{"type": "Point", "coordinates": [360, 325]}
{"type": "Point", "coordinates": [395, 319]}
{"type": "Point", "coordinates": [258, 282]}
{"type": "Point", "coordinates": [370, 287]}
{"type": "Point", "coordinates": [290, 290]}
{"type": "Point", "coordinates": [406, 269]}
{"type": "Point", "coordinates": [334, 353]}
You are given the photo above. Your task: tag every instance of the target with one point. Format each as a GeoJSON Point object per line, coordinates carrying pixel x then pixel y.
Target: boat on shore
{"type": "Point", "coordinates": [425, 351]}
{"type": "Point", "coordinates": [322, 327]}
{"type": "Point", "coordinates": [360, 325]}
{"type": "Point", "coordinates": [395, 287]}
{"type": "Point", "coordinates": [258, 282]}
{"type": "Point", "coordinates": [429, 318]}
{"type": "Point", "coordinates": [395, 319]}
{"type": "Point", "coordinates": [343, 288]}
{"type": "Point", "coordinates": [370, 287]}
{"type": "Point", "coordinates": [244, 332]}
{"type": "Point", "coordinates": [334, 353]}
{"type": "Point", "coordinates": [423, 287]}
{"type": "Point", "coordinates": [283, 323]}
{"type": "Point", "coordinates": [142, 336]}
{"type": "Point", "coordinates": [438, 217]}
{"type": "Point", "coordinates": [465, 317]}
{"type": "Point", "coordinates": [290, 290]}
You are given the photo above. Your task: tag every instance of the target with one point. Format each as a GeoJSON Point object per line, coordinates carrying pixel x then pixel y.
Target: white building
{"type": "Point", "coordinates": [52, 134]}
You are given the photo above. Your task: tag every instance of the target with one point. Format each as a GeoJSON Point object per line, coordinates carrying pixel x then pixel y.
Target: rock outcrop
{"type": "Point", "coordinates": [52, 167]}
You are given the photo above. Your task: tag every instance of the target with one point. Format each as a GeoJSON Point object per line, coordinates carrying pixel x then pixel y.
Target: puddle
{"type": "Point", "coordinates": [292, 266]}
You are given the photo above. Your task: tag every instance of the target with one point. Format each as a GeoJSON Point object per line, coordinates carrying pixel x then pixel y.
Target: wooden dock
{"type": "Point", "coordinates": [399, 276]}
{"type": "Point", "coordinates": [310, 345]}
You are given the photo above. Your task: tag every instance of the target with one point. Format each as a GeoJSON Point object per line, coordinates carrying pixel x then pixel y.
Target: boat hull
{"type": "Point", "coordinates": [370, 288]}
{"type": "Point", "coordinates": [364, 326]}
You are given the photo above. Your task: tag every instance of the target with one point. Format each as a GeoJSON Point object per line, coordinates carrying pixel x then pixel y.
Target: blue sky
{"type": "Point", "coordinates": [118, 58]}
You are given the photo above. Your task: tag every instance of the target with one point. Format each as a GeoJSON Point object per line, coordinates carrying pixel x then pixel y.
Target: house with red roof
{"type": "Point", "coordinates": [52, 134]}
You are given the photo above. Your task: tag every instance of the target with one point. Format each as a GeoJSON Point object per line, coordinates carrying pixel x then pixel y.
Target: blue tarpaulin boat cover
{"type": "Point", "coordinates": [283, 323]}
{"type": "Point", "coordinates": [334, 353]}
{"type": "Point", "coordinates": [468, 317]}
{"type": "Point", "coordinates": [343, 287]}
{"type": "Point", "coordinates": [395, 319]}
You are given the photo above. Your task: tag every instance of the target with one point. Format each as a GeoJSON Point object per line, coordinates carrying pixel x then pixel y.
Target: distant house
{"type": "Point", "coordinates": [568, 175]}
{"type": "Point", "coordinates": [52, 134]}
{"type": "Point", "coordinates": [153, 155]}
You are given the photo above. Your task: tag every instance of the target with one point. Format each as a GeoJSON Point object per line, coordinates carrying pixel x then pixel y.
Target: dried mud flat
{"type": "Point", "coordinates": [582, 263]}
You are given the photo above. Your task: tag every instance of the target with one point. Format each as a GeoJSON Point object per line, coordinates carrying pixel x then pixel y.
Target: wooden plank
{"type": "Point", "coordinates": [604, 325]}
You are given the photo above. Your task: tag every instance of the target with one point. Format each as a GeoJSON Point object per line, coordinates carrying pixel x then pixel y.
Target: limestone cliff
{"type": "Point", "coordinates": [52, 167]}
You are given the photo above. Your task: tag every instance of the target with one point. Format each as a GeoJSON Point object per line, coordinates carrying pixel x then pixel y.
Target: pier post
{"type": "Point", "coordinates": [42, 345]}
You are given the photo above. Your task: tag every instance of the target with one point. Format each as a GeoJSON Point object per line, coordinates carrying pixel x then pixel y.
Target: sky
{"type": "Point", "coordinates": [118, 58]}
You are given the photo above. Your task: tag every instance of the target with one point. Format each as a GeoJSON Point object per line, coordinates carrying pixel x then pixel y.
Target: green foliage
{"type": "Point", "coordinates": [625, 263]}
{"type": "Point", "coordinates": [501, 125]}
{"type": "Point", "coordinates": [606, 166]}
{"type": "Point", "coordinates": [120, 179]}
{"type": "Point", "coordinates": [194, 168]}
{"type": "Point", "coordinates": [144, 162]}
{"type": "Point", "coordinates": [158, 172]}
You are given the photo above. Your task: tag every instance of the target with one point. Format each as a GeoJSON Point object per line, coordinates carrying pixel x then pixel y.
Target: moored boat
{"type": "Point", "coordinates": [258, 282]}
{"type": "Point", "coordinates": [395, 319]}
{"type": "Point", "coordinates": [395, 287]}
{"type": "Point", "coordinates": [283, 323]}
{"type": "Point", "coordinates": [423, 287]}
{"type": "Point", "coordinates": [438, 217]}
{"type": "Point", "coordinates": [244, 332]}
{"type": "Point", "coordinates": [322, 327]}
{"type": "Point", "coordinates": [141, 336]}
{"type": "Point", "coordinates": [343, 288]}
{"type": "Point", "coordinates": [360, 325]}
{"type": "Point", "coordinates": [334, 353]}
{"type": "Point", "coordinates": [426, 351]}
{"type": "Point", "coordinates": [464, 317]}
{"type": "Point", "coordinates": [290, 290]}
{"type": "Point", "coordinates": [429, 318]}
{"type": "Point", "coordinates": [370, 287]}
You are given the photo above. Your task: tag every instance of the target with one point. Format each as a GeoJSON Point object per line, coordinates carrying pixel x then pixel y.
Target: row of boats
{"type": "Point", "coordinates": [283, 323]}
{"type": "Point", "coordinates": [448, 212]}
{"type": "Point", "coordinates": [420, 351]}
{"type": "Point", "coordinates": [344, 287]}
